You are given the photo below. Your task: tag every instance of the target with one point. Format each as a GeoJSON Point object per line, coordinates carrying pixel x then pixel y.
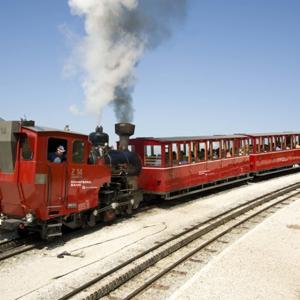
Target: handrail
{"type": "Point", "coordinates": [66, 184]}
{"type": "Point", "coordinates": [49, 183]}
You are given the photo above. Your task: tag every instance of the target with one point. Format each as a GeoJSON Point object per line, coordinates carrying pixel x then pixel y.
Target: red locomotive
{"type": "Point", "coordinates": [97, 183]}
{"type": "Point", "coordinates": [94, 183]}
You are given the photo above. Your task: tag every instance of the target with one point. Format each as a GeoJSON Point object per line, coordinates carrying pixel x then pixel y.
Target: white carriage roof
{"type": "Point", "coordinates": [51, 130]}
{"type": "Point", "coordinates": [212, 137]}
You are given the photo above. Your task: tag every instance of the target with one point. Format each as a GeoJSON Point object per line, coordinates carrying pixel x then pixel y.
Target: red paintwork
{"type": "Point", "coordinates": [262, 161]}
{"type": "Point", "coordinates": [162, 180]}
{"type": "Point", "coordinates": [50, 190]}
{"type": "Point", "coordinates": [68, 188]}
{"type": "Point", "coordinates": [275, 159]}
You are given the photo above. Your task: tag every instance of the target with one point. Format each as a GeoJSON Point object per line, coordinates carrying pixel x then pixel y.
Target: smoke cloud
{"type": "Point", "coordinates": [118, 32]}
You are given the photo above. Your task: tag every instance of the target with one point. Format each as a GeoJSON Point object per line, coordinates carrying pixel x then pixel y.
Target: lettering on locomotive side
{"type": "Point", "coordinates": [79, 183]}
{"type": "Point", "coordinates": [77, 173]}
{"type": "Point", "coordinates": [84, 205]}
{"type": "Point", "coordinates": [89, 187]}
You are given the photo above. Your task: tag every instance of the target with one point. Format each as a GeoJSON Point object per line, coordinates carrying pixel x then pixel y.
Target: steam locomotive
{"type": "Point", "coordinates": [94, 183]}
{"type": "Point", "coordinates": [97, 183]}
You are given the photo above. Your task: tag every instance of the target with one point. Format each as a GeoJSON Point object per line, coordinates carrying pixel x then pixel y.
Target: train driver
{"type": "Point", "coordinates": [58, 156]}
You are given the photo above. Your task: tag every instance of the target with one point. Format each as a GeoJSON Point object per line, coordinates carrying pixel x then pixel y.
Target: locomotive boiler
{"type": "Point", "coordinates": [122, 190]}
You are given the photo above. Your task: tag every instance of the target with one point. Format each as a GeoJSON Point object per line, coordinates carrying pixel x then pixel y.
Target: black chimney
{"type": "Point", "coordinates": [124, 131]}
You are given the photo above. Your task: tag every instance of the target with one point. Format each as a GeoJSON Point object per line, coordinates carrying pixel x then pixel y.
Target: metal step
{"type": "Point", "coordinates": [54, 207]}
{"type": "Point", "coordinates": [51, 225]}
{"type": "Point", "coordinates": [54, 234]}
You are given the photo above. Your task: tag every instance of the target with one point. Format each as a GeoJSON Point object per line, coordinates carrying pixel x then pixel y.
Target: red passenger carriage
{"type": "Point", "coordinates": [185, 165]}
{"type": "Point", "coordinates": [274, 152]}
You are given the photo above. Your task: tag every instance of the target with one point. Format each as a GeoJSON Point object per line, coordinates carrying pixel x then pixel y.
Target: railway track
{"type": "Point", "coordinates": [17, 246]}
{"type": "Point", "coordinates": [136, 275]}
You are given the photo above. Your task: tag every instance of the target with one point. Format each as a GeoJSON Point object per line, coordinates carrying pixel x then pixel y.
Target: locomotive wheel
{"type": "Point", "coordinates": [109, 215]}
{"type": "Point", "coordinates": [22, 231]}
{"type": "Point", "coordinates": [43, 232]}
{"type": "Point", "coordinates": [91, 222]}
{"type": "Point", "coordinates": [129, 209]}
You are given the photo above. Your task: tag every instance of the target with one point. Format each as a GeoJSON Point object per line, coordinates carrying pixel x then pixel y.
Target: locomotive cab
{"type": "Point", "coordinates": [40, 194]}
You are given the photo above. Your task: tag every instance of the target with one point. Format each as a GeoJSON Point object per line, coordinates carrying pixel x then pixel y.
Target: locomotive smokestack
{"type": "Point", "coordinates": [124, 131]}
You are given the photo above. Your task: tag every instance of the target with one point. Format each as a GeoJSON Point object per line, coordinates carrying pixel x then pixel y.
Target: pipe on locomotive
{"type": "Point", "coordinates": [124, 131]}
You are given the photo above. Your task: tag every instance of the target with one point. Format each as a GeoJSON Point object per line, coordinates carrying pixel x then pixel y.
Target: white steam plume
{"type": "Point", "coordinates": [117, 34]}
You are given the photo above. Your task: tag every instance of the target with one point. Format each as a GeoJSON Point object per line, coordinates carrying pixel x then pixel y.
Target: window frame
{"type": "Point", "coordinates": [83, 151]}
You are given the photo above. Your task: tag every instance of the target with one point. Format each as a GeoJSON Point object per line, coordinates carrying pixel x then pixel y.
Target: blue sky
{"type": "Point", "coordinates": [232, 67]}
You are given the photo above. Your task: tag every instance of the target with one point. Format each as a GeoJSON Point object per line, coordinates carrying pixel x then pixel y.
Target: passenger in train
{"type": "Point", "coordinates": [201, 154]}
{"type": "Point", "coordinates": [58, 156]}
{"type": "Point", "coordinates": [228, 154]}
{"type": "Point", "coordinates": [216, 153]}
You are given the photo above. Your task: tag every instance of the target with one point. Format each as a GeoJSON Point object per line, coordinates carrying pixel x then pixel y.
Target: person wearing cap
{"type": "Point", "coordinates": [58, 156]}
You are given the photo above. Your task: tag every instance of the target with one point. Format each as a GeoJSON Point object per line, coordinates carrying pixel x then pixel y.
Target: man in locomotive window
{"type": "Point", "coordinates": [58, 156]}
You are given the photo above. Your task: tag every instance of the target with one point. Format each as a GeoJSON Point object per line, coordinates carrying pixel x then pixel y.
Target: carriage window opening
{"type": "Point", "coordinates": [153, 156]}
{"type": "Point", "coordinates": [237, 147]}
{"type": "Point", "coordinates": [193, 152]}
{"type": "Point", "coordinates": [229, 148]}
{"type": "Point", "coordinates": [209, 151]}
{"type": "Point", "coordinates": [283, 142]}
{"type": "Point", "coordinates": [216, 150]}
{"type": "Point", "coordinates": [293, 142]}
{"type": "Point", "coordinates": [131, 148]}
{"type": "Point", "coordinates": [247, 147]}
{"type": "Point", "coordinates": [250, 143]}
{"type": "Point", "coordinates": [266, 145]}
{"type": "Point", "coordinates": [273, 143]}
{"type": "Point", "coordinates": [175, 154]}
{"type": "Point", "coordinates": [201, 151]}
{"type": "Point", "coordinates": [27, 153]}
{"type": "Point", "coordinates": [53, 144]}
{"type": "Point", "coordinates": [297, 139]}
{"type": "Point", "coordinates": [183, 154]}
{"type": "Point", "coordinates": [257, 142]}
{"type": "Point", "coordinates": [278, 143]}
{"type": "Point", "coordinates": [288, 143]}
{"type": "Point", "coordinates": [78, 152]}
{"type": "Point", "coordinates": [168, 157]}
{"type": "Point", "coordinates": [244, 149]}
{"type": "Point", "coordinates": [223, 147]}
{"type": "Point", "coordinates": [270, 143]}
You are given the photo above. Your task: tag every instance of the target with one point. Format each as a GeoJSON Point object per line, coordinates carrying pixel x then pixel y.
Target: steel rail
{"type": "Point", "coordinates": [198, 249]}
{"type": "Point", "coordinates": [233, 213]}
{"type": "Point", "coordinates": [17, 246]}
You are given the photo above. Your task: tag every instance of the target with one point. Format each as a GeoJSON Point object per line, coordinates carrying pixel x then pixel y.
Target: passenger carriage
{"type": "Point", "coordinates": [173, 167]}
{"type": "Point", "coordinates": [274, 152]}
